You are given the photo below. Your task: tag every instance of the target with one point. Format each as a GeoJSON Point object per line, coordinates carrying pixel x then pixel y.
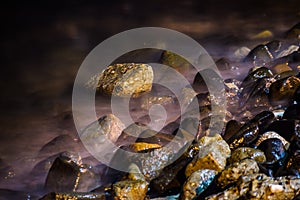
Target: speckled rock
{"type": "Point", "coordinates": [233, 172]}
{"type": "Point", "coordinates": [242, 153]}
{"type": "Point", "coordinates": [130, 190]}
{"type": "Point", "coordinates": [272, 134]}
{"type": "Point", "coordinates": [74, 196]}
{"type": "Point", "coordinates": [124, 80]}
{"type": "Point", "coordinates": [197, 183]}
{"type": "Point", "coordinates": [212, 156]}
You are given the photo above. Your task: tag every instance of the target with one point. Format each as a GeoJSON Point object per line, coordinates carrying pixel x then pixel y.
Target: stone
{"type": "Point", "coordinates": [288, 51]}
{"type": "Point", "coordinates": [124, 80]}
{"type": "Point", "coordinates": [212, 156]}
{"type": "Point", "coordinates": [130, 190]}
{"type": "Point", "coordinates": [108, 127]}
{"type": "Point", "coordinates": [186, 97]}
{"type": "Point", "coordinates": [263, 35]}
{"type": "Point", "coordinates": [241, 53]}
{"type": "Point", "coordinates": [148, 101]}
{"type": "Point", "coordinates": [142, 146]}
{"type": "Point", "coordinates": [233, 172]}
{"type": "Point", "coordinates": [294, 32]}
{"type": "Point", "coordinates": [242, 153]}
{"type": "Point", "coordinates": [65, 175]}
{"type": "Point", "coordinates": [197, 183]}
{"type": "Point", "coordinates": [277, 69]}
{"type": "Point", "coordinates": [175, 61]}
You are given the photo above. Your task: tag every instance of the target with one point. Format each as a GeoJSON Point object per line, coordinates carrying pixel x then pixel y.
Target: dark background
{"type": "Point", "coordinates": [43, 43]}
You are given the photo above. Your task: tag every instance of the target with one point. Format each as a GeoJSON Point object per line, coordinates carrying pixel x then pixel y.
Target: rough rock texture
{"type": "Point", "coordinates": [246, 152]}
{"type": "Point", "coordinates": [124, 80]}
{"type": "Point", "coordinates": [233, 172]}
{"type": "Point", "coordinates": [197, 183]}
{"type": "Point", "coordinates": [130, 190]}
{"type": "Point", "coordinates": [211, 156]}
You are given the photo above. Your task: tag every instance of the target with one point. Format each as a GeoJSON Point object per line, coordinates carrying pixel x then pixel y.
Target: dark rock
{"type": "Point", "coordinates": [65, 175]}
{"type": "Point", "coordinates": [273, 149]}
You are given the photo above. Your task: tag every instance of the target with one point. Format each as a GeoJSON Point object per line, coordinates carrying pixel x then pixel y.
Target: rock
{"type": "Point", "coordinates": [130, 134]}
{"type": "Point", "coordinates": [282, 91]}
{"type": "Point", "coordinates": [260, 186]}
{"type": "Point", "coordinates": [107, 127]}
{"type": "Point", "coordinates": [142, 146]}
{"type": "Point", "coordinates": [263, 35]}
{"type": "Point", "coordinates": [242, 153]}
{"type": "Point", "coordinates": [233, 172]}
{"type": "Point", "coordinates": [134, 173]}
{"type": "Point", "coordinates": [277, 69]}
{"type": "Point", "coordinates": [130, 190]}
{"type": "Point", "coordinates": [294, 32]}
{"type": "Point", "coordinates": [124, 80]}
{"type": "Point", "coordinates": [288, 51]}
{"type": "Point", "coordinates": [241, 53]}
{"type": "Point", "coordinates": [75, 195]}
{"type": "Point", "coordinates": [260, 55]}
{"type": "Point", "coordinates": [197, 183]}
{"type": "Point", "coordinates": [272, 134]}
{"type": "Point", "coordinates": [273, 149]}
{"type": "Point", "coordinates": [175, 61]}
{"type": "Point", "coordinates": [65, 175]}
{"type": "Point", "coordinates": [212, 156]}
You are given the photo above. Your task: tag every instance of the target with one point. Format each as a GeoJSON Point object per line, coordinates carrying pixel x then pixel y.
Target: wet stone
{"type": "Point", "coordinates": [232, 172]}
{"type": "Point", "coordinates": [175, 61]}
{"type": "Point", "coordinates": [108, 127]}
{"type": "Point", "coordinates": [197, 183]}
{"type": "Point", "coordinates": [247, 153]}
{"type": "Point", "coordinates": [260, 55]}
{"type": "Point", "coordinates": [294, 32]}
{"type": "Point", "coordinates": [272, 134]}
{"type": "Point", "coordinates": [130, 190]}
{"type": "Point", "coordinates": [67, 176]}
{"type": "Point", "coordinates": [282, 91]}
{"type": "Point", "coordinates": [212, 156]}
{"type": "Point", "coordinates": [277, 69]}
{"type": "Point", "coordinates": [143, 146]}
{"type": "Point", "coordinates": [288, 51]}
{"type": "Point", "coordinates": [124, 80]}
{"type": "Point", "coordinates": [148, 101]}
{"type": "Point", "coordinates": [273, 149]}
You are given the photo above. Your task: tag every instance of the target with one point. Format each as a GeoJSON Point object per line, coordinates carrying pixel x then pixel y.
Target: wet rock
{"type": "Point", "coordinates": [65, 175]}
{"type": "Point", "coordinates": [272, 134]}
{"type": "Point", "coordinates": [277, 69]}
{"type": "Point", "coordinates": [143, 146]}
{"type": "Point", "coordinates": [282, 91]}
{"type": "Point", "coordinates": [288, 51]}
{"type": "Point", "coordinates": [212, 156]}
{"type": "Point", "coordinates": [233, 172]}
{"type": "Point", "coordinates": [259, 56]}
{"type": "Point", "coordinates": [130, 134]}
{"type": "Point", "coordinates": [232, 127]}
{"type": "Point", "coordinates": [175, 61]}
{"type": "Point", "coordinates": [107, 127]}
{"type": "Point", "coordinates": [171, 178]}
{"type": "Point", "coordinates": [294, 32]}
{"type": "Point", "coordinates": [145, 55]}
{"type": "Point", "coordinates": [273, 149]}
{"type": "Point", "coordinates": [247, 153]}
{"type": "Point", "coordinates": [134, 173]}
{"type": "Point", "coordinates": [161, 157]}
{"type": "Point", "coordinates": [259, 186]}
{"type": "Point", "coordinates": [124, 80]}
{"type": "Point", "coordinates": [197, 183]}
{"type": "Point", "coordinates": [263, 35]}
{"type": "Point", "coordinates": [129, 189]}
{"type": "Point", "coordinates": [245, 135]}
{"type": "Point", "coordinates": [241, 53]}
